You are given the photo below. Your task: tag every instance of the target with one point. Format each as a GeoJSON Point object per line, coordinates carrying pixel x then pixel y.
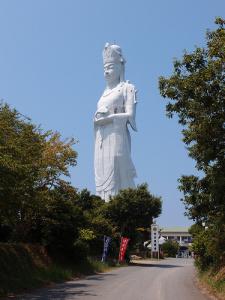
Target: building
{"type": "Point", "coordinates": [179, 234]}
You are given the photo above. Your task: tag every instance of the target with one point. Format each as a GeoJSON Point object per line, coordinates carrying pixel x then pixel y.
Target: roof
{"type": "Point", "coordinates": [175, 229]}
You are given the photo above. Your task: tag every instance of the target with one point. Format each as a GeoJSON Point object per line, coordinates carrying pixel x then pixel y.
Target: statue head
{"type": "Point", "coordinates": [114, 62]}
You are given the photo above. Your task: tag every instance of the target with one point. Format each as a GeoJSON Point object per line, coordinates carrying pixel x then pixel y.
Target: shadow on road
{"type": "Point", "coordinates": [60, 292]}
{"type": "Point", "coordinates": [99, 277]}
{"type": "Point", "coordinates": [64, 290]}
{"type": "Point", "coordinates": [163, 266]}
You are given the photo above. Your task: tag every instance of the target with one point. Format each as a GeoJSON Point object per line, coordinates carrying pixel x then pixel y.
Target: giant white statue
{"type": "Point", "coordinates": [114, 169]}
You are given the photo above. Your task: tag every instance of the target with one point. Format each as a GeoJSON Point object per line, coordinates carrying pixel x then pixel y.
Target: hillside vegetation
{"type": "Point", "coordinates": [46, 224]}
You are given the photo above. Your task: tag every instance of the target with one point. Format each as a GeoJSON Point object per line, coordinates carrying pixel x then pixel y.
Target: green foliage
{"type": "Point", "coordinates": [132, 209]}
{"type": "Point", "coordinates": [86, 235]}
{"type": "Point", "coordinates": [31, 164]}
{"type": "Point", "coordinates": [214, 281]}
{"type": "Point", "coordinates": [197, 93]}
{"type": "Point", "coordinates": [21, 266]}
{"type": "Point", "coordinates": [80, 250]}
{"type": "Point", "coordinates": [96, 225]}
{"type": "Point", "coordinates": [62, 220]}
{"type": "Point", "coordinates": [208, 244]}
{"type": "Point", "coordinates": [170, 248]}
{"type": "Point", "coordinates": [24, 267]}
{"type": "Point", "coordinates": [200, 247]}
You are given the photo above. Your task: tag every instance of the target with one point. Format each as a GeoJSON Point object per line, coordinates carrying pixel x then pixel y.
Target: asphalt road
{"type": "Point", "coordinates": [170, 279]}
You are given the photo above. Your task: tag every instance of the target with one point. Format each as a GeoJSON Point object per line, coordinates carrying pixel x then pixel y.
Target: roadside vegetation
{"type": "Point", "coordinates": [214, 282]}
{"type": "Point", "coordinates": [27, 266]}
{"type": "Point", "coordinates": [170, 248]}
{"type": "Point", "coordinates": [196, 90]}
{"type": "Point", "coordinates": [41, 212]}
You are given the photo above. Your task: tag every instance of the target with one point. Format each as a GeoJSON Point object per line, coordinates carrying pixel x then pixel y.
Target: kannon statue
{"type": "Point", "coordinates": [114, 169]}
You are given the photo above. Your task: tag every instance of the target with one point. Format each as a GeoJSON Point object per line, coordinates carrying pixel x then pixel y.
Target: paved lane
{"type": "Point", "coordinates": [171, 279]}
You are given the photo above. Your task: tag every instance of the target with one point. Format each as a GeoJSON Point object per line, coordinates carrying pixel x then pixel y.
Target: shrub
{"type": "Point", "coordinates": [170, 248]}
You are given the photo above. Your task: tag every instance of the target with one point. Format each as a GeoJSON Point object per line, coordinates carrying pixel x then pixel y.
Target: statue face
{"type": "Point", "coordinates": [112, 72]}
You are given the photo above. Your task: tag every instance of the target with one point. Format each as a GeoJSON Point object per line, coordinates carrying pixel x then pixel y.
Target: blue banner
{"type": "Point", "coordinates": [107, 240]}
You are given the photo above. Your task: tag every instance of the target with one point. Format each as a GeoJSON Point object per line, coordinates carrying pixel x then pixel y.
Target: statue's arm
{"type": "Point", "coordinates": [130, 104]}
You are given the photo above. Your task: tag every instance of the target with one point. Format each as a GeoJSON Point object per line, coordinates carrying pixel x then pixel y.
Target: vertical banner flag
{"type": "Point", "coordinates": [123, 248]}
{"type": "Point", "coordinates": [107, 240]}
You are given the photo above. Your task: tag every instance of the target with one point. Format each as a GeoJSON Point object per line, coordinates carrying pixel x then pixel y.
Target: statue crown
{"type": "Point", "coordinates": [112, 54]}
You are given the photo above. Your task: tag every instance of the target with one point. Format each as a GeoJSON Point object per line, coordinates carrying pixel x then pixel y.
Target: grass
{"type": "Point", "coordinates": [214, 282]}
{"type": "Point", "coordinates": [24, 267]}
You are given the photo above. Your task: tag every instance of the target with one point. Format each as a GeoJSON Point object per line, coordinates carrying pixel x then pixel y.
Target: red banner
{"type": "Point", "coordinates": [123, 248]}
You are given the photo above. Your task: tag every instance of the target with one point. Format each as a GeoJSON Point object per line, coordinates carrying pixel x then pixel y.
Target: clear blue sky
{"type": "Point", "coordinates": [51, 71]}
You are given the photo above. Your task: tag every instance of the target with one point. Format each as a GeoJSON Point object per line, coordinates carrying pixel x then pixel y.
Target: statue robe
{"type": "Point", "coordinates": [114, 169]}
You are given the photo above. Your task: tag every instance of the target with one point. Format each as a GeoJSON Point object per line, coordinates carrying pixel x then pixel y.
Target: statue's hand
{"type": "Point", "coordinates": [103, 121]}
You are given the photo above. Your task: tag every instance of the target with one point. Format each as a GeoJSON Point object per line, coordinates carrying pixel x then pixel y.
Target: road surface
{"type": "Point", "coordinates": [170, 279]}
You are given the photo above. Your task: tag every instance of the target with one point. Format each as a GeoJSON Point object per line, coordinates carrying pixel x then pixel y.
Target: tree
{"type": "Point", "coordinates": [170, 248]}
{"type": "Point", "coordinates": [133, 209]}
{"type": "Point", "coordinates": [31, 164]}
{"type": "Point", "coordinates": [197, 91]}
{"type": "Point", "coordinates": [62, 220]}
{"type": "Point", "coordinates": [96, 224]}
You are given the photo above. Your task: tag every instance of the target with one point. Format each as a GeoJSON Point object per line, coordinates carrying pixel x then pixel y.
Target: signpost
{"type": "Point", "coordinates": [155, 239]}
